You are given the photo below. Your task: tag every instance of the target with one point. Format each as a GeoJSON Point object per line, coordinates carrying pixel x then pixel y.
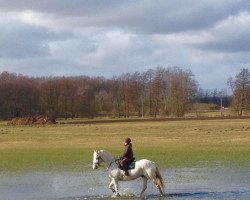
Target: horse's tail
{"type": "Point", "coordinates": [159, 182]}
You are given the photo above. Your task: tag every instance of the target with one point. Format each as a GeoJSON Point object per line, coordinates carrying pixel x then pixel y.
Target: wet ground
{"type": "Point", "coordinates": [223, 184]}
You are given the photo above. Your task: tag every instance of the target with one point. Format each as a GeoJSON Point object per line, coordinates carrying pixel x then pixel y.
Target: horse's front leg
{"type": "Point", "coordinates": [111, 186]}
{"type": "Point", "coordinates": [116, 187]}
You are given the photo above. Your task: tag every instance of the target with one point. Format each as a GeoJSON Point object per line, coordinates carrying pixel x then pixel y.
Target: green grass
{"type": "Point", "coordinates": [197, 143]}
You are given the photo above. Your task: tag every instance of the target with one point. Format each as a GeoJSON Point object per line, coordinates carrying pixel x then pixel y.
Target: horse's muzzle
{"type": "Point", "coordinates": [95, 166]}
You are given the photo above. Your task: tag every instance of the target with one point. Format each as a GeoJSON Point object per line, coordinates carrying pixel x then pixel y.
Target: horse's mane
{"type": "Point", "coordinates": [105, 153]}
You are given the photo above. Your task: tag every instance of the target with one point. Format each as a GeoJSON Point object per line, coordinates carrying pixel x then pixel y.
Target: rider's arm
{"type": "Point", "coordinates": [126, 152]}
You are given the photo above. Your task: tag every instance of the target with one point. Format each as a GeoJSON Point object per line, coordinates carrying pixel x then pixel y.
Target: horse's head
{"type": "Point", "coordinates": [101, 156]}
{"type": "Point", "coordinates": [96, 160]}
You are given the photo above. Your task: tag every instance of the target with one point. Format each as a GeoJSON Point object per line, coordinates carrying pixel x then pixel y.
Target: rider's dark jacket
{"type": "Point", "coordinates": [128, 152]}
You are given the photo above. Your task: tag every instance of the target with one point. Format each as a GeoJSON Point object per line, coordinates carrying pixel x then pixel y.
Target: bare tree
{"type": "Point", "coordinates": [19, 96]}
{"type": "Point", "coordinates": [50, 94]}
{"type": "Point", "coordinates": [241, 91]}
{"type": "Point", "coordinates": [183, 89]}
{"type": "Point", "coordinates": [67, 96]}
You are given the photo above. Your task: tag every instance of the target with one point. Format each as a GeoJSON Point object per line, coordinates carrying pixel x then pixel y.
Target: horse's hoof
{"type": "Point", "coordinates": [162, 196]}
{"type": "Point", "coordinates": [116, 195]}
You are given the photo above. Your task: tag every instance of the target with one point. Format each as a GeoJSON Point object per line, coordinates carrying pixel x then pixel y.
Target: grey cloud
{"type": "Point", "coordinates": [63, 7]}
{"type": "Point", "coordinates": [174, 16]}
{"type": "Point", "coordinates": [232, 35]}
{"type": "Point", "coordinates": [71, 37]}
{"type": "Point", "coordinates": [20, 40]}
{"type": "Point", "coordinates": [239, 44]}
{"type": "Point", "coordinates": [143, 16]}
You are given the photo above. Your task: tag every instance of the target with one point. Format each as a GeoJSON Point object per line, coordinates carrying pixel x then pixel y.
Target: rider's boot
{"type": "Point", "coordinates": [126, 171]}
{"type": "Point", "coordinates": [120, 166]}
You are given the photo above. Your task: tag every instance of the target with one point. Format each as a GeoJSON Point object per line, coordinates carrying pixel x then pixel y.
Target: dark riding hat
{"type": "Point", "coordinates": [128, 140]}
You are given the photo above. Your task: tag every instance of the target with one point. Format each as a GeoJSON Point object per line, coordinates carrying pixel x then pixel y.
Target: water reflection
{"type": "Point", "coordinates": [180, 184]}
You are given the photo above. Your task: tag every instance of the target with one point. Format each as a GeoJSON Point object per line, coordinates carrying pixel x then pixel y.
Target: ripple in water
{"type": "Point", "coordinates": [188, 183]}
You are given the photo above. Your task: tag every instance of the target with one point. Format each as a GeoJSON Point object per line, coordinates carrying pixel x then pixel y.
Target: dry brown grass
{"type": "Point", "coordinates": [170, 143]}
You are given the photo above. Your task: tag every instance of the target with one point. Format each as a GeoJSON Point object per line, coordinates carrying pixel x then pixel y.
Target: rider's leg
{"type": "Point", "coordinates": [123, 164]}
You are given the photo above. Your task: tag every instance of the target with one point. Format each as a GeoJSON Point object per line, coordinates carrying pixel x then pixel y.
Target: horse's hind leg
{"type": "Point", "coordinates": [144, 187]}
{"type": "Point", "coordinates": [157, 185]}
{"type": "Point", "coordinates": [152, 176]}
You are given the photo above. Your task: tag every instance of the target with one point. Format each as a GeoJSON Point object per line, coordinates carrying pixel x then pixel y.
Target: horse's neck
{"type": "Point", "coordinates": [106, 157]}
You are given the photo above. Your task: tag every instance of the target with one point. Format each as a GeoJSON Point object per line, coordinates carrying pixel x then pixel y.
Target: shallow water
{"type": "Point", "coordinates": [184, 183]}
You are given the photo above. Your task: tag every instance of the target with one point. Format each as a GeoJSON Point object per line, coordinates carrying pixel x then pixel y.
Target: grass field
{"type": "Point", "coordinates": [191, 143]}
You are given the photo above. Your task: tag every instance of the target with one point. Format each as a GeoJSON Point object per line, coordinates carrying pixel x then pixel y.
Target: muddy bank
{"type": "Point", "coordinates": [32, 120]}
{"type": "Point", "coordinates": [150, 119]}
{"type": "Point", "coordinates": [180, 184]}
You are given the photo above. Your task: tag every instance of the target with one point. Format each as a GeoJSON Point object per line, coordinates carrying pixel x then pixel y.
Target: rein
{"type": "Point", "coordinates": [117, 161]}
{"type": "Point", "coordinates": [112, 161]}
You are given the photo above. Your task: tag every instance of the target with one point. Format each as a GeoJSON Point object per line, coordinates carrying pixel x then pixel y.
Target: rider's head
{"type": "Point", "coordinates": [127, 141]}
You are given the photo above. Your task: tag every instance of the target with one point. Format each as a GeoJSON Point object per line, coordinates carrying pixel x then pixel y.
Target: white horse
{"type": "Point", "coordinates": [143, 168]}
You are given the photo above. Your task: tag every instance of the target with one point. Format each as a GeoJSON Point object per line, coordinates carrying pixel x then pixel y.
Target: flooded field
{"type": "Point", "coordinates": [185, 183]}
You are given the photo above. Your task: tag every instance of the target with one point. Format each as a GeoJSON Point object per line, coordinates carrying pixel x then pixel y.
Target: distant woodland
{"type": "Point", "coordinates": [156, 92]}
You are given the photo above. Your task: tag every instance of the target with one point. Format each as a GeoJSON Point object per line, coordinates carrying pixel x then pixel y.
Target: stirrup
{"type": "Point", "coordinates": [126, 173]}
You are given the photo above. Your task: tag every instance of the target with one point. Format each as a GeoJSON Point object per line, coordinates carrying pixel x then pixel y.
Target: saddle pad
{"type": "Point", "coordinates": [131, 165]}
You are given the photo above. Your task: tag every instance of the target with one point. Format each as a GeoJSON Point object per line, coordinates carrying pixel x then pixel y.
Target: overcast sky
{"type": "Point", "coordinates": [111, 37]}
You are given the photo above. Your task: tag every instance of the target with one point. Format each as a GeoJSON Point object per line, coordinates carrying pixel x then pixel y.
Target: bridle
{"type": "Point", "coordinates": [96, 164]}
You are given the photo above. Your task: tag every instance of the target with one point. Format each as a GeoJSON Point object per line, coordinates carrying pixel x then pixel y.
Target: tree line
{"type": "Point", "coordinates": [161, 91]}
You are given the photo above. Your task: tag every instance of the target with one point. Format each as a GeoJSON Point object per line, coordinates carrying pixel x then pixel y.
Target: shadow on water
{"type": "Point", "coordinates": [229, 195]}
{"type": "Point", "coordinates": [212, 195]}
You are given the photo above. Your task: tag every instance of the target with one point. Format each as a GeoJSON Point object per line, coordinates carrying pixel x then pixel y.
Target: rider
{"type": "Point", "coordinates": [127, 157]}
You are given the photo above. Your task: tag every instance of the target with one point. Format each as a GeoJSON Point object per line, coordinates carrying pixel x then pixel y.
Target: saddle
{"type": "Point", "coordinates": [130, 165]}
